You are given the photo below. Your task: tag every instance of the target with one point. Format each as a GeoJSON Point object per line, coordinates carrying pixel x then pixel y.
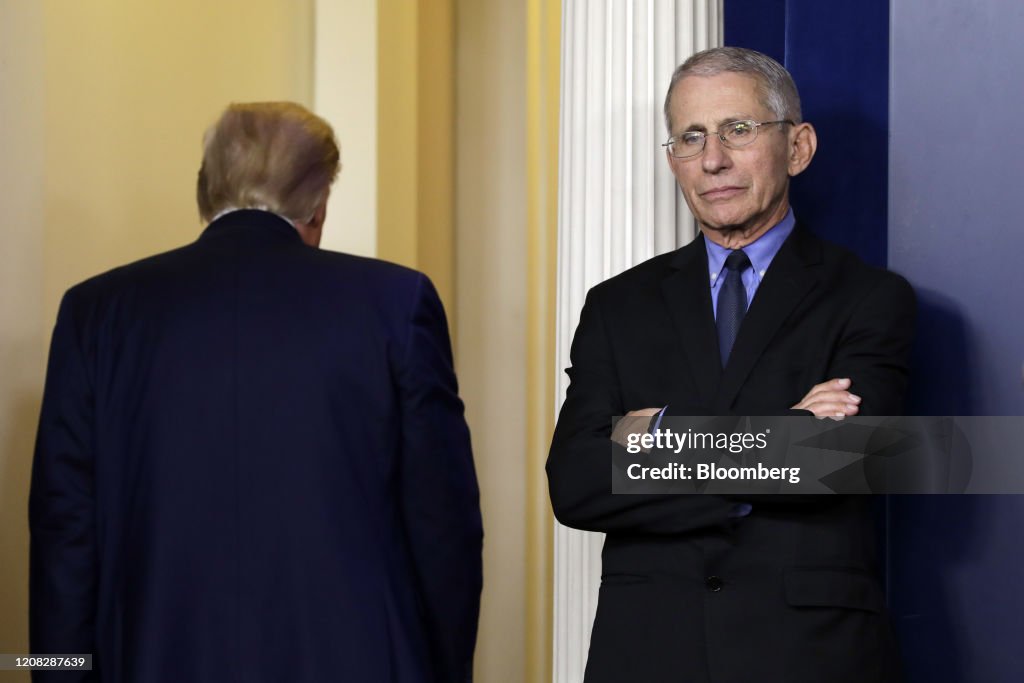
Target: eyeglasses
{"type": "Point", "coordinates": [733, 135]}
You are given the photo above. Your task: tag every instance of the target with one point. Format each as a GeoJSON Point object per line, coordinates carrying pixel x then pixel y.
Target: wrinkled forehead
{"type": "Point", "coordinates": [708, 102]}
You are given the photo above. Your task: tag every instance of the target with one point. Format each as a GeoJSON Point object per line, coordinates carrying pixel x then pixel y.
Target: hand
{"type": "Point", "coordinates": [831, 399]}
{"type": "Point", "coordinates": [633, 422]}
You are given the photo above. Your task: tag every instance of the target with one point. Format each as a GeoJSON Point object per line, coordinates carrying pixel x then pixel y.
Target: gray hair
{"type": "Point", "coordinates": [778, 91]}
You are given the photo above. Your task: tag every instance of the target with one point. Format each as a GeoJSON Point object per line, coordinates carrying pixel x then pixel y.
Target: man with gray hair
{"type": "Point", "coordinates": [756, 316]}
{"type": "Point", "coordinates": [252, 462]}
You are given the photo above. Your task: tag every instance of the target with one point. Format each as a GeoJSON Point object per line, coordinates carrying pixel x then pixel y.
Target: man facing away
{"type": "Point", "coordinates": [756, 316]}
{"type": "Point", "coordinates": [252, 462]}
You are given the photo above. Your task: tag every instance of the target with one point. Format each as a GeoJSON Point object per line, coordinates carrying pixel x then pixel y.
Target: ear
{"type": "Point", "coordinates": [311, 230]}
{"type": "Point", "coordinates": [803, 142]}
{"type": "Point", "coordinates": [320, 215]}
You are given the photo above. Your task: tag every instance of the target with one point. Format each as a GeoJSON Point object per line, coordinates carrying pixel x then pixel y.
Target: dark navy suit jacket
{"type": "Point", "coordinates": [252, 465]}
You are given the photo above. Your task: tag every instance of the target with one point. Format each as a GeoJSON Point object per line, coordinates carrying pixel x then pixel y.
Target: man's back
{"type": "Point", "coordinates": [281, 472]}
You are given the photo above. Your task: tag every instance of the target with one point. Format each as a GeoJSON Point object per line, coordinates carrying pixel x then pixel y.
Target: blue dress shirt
{"type": "Point", "coordinates": [760, 252]}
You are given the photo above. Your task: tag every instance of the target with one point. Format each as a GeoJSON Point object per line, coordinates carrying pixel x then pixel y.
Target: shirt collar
{"type": "Point", "coordinates": [232, 209]}
{"type": "Point", "coordinates": [760, 252]}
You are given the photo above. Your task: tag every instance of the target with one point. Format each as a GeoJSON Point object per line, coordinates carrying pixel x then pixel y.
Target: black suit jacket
{"type": "Point", "coordinates": [690, 592]}
{"type": "Point", "coordinates": [252, 465]}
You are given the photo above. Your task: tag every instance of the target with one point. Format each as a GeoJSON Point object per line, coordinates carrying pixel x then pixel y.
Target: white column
{"type": "Point", "coordinates": [345, 94]}
{"type": "Point", "coordinates": [618, 206]}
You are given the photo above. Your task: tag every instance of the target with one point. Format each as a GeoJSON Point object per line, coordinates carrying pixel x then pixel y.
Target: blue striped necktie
{"type": "Point", "coordinates": [732, 302]}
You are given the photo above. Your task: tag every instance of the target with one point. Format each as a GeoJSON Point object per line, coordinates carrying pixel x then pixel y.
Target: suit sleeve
{"type": "Point", "coordinates": [874, 352]}
{"type": "Point", "coordinates": [441, 505]}
{"type": "Point", "coordinates": [579, 465]}
{"type": "Point", "coordinates": [62, 517]}
{"type": "Point", "coordinates": [874, 349]}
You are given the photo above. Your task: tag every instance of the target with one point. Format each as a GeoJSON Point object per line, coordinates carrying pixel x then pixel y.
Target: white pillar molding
{"type": "Point", "coordinates": [618, 206]}
{"type": "Point", "coordinates": [345, 94]}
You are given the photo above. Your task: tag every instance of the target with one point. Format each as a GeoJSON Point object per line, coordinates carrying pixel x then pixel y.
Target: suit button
{"type": "Point", "coordinates": [714, 584]}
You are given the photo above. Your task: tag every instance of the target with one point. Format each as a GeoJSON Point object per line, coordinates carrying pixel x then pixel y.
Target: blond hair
{"type": "Point", "coordinates": [276, 156]}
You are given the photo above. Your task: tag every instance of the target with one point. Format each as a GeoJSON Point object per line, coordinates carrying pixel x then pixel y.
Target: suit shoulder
{"type": "Point", "coordinates": [372, 273]}
{"type": "Point", "coordinates": [367, 265]}
{"type": "Point", "coordinates": [850, 263]}
{"type": "Point", "coordinates": [864, 282]}
{"type": "Point", "coordinates": [387, 290]}
{"type": "Point", "coordinates": [125, 275]}
{"type": "Point", "coordinates": [636, 280]}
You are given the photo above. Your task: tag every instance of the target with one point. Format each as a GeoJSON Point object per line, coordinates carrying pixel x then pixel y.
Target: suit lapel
{"type": "Point", "coordinates": [789, 279]}
{"type": "Point", "coordinates": [687, 293]}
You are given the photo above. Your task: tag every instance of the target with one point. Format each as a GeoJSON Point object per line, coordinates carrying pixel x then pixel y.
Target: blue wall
{"type": "Point", "coordinates": [956, 194]}
{"type": "Point", "coordinates": [955, 172]}
{"type": "Point", "coordinates": [838, 53]}
{"type": "Point", "coordinates": [922, 172]}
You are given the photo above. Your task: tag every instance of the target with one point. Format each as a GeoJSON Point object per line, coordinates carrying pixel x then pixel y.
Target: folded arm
{"type": "Point", "coordinates": [869, 367]}
{"type": "Point", "coordinates": [579, 465]}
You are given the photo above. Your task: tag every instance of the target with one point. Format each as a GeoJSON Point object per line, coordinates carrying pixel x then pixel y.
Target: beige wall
{"type": "Point", "coordinates": [543, 62]}
{"type": "Point", "coordinates": [415, 174]}
{"type": "Point", "coordinates": [490, 243]}
{"type": "Point", "coordinates": [22, 331]}
{"type": "Point", "coordinates": [506, 141]}
{"type": "Point", "coordinates": [103, 107]}
{"type": "Point", "coordinates": [130, 87]}
{"type": "Point", "coordinates": [345, 93]}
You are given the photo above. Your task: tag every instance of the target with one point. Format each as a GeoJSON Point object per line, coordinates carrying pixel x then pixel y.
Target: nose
{"type": "Point", "coordinates": [716, 155]}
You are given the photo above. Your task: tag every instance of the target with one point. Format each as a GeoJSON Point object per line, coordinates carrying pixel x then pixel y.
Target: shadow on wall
{"type": "Point", "coordinates": [932, 537]}
{"type": "Point", "coordinates": [842, 196]}
{"type": "Point", "coordinates": [940, 363]}
{"type": "Point", "coordinates": [935, 536]}
{"type": "Point", "coordinates": [929, 538]}
{"type": "Point", "coordinates": [21, 420]}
